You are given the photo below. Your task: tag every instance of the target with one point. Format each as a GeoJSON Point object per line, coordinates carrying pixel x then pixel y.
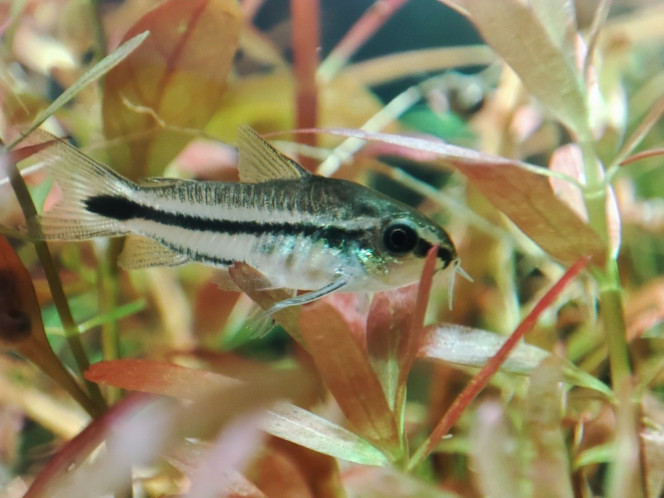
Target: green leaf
{"type": "Point", "coordinates": [91, 75]}
{"type": "Point", "coordinates": [302, 427]}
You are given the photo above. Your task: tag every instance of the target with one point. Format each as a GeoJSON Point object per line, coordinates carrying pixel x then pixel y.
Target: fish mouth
{"type": "Point", "coordinates": [446, 256]}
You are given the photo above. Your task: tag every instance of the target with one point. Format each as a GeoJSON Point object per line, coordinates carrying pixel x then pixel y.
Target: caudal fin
{"type": "Point", "coordinates": [81, 180]}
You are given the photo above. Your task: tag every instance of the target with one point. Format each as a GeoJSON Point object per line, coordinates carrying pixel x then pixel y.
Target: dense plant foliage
{"type": "Point", "coordinates": [542, 160]}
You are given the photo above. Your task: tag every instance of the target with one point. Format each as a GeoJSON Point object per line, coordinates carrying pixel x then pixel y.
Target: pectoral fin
{"type": "Point", "coordinates": [307, 297]}
{"type": "Point", "coordinates": [261, 322]}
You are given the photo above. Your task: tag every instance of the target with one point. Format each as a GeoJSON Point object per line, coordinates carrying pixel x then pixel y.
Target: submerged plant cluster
{"type": "Point", "coordinates": [539, 149]}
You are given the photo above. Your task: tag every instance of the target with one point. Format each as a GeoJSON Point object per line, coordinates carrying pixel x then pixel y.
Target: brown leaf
{"type": "Point", "coordinates": [645, 308]}
{"type": "Point", "coordinates": [514, 188]}
{"type": "Point", "coordinates": [653, 454]}
{"type": "Point", "coordinates": [21, 326]}
{"type": "Point", "coordinates": [174, 80]}
{"type": "Point", "coordinates": [290, 462]}
{"type": "Point", "coordinates": [541, 55]}
{"type": "Point", "coordinates": [344, 366]}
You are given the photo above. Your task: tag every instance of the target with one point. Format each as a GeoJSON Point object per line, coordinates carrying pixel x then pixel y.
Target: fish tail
{"type": "Point", "coordinates": [84, 184]}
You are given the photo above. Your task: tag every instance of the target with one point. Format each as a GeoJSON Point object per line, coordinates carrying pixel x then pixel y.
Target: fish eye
{"type": "Point", "coordinates": [400, 239]}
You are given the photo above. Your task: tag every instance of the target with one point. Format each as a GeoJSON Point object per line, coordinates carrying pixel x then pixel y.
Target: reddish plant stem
{"type": "Point", "coordinates": [370, 22]}
{"type": "Point", "coordinates": [480, 380]}
{"type": "Point", "coordinates": [646, 154]}
{"type": "Point", "coordinates": [306, 40]}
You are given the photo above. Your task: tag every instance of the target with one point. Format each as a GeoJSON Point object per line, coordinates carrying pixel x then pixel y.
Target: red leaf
{"type": "Point", "coordinates": [175, 79]}
{"type": "Point", "coordinates": [412, 340]}
{"type": "Point", "coordinates": [157, 377]}
{"type": "Point", "coordinates": [344, 366]}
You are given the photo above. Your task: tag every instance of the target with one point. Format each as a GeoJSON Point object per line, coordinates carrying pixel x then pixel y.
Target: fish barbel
{"type": "Point", "coordinates": [302, 231]}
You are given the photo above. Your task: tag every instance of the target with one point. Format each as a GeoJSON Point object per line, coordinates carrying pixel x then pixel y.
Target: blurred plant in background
{"type": "Point", "coordinates": [540, 152]}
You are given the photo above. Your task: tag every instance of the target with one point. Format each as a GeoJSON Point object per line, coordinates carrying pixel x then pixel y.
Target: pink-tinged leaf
{"type": "Point", "coordinates": [387, 324]}
{"type": "Point", "coordinates": [513, 187]}
{"type": "Point", "coordinates": [470, 347]}
{"type": "Point", "coordinates": [344, 366]}
{"type": "Point", "coordinates": [540, 55]}
{"type": "Point", "coordinates": [480, 380]}
{"type": "Point", "coordinates": [187, 456]}
{"type": "Point", "coordinates": [216, 472]}
{"type": "Point", "coordinates": [568, 160]}
{"type": "Point", "coordinates": [174, 81]}
{"type": "Point", "coordinates": [138, 435]}
{"type": "Point", "coordinates": [494, 452]}
{"type": "Point", "coordinates": [543, 417]}
{"type": "Point", "coordinates": [54, 475]}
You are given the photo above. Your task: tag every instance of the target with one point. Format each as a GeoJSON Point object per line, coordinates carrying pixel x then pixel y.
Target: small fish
{"type": "Point", "coordinates": [302, 231]}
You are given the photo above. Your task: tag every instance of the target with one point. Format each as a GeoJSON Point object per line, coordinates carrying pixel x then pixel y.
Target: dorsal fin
{"type": "Point", "coordinates": [260, 162]}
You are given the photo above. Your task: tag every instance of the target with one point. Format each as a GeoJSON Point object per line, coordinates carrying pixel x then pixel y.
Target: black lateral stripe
{"type": "Point", "coordinates": [120, 208]}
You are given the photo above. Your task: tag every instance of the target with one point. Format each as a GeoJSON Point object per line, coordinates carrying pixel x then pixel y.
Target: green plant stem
{"type": "Point", "coordinates": [594, 191]}
{"type": "Point", "coordinates": [53, 279]}
{"type": "Point", "coordinates": [98, 29]}
{"type": "Point", "coordinates": [613, 320]}
{"type": "Point", "coordinates": [611, 310]}
{"type": "Point", "coordinates": [109, 295]}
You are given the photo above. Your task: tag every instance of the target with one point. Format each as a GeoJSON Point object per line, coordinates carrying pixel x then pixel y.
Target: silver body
{"type": "Point", "coordinates": [299, 230]}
